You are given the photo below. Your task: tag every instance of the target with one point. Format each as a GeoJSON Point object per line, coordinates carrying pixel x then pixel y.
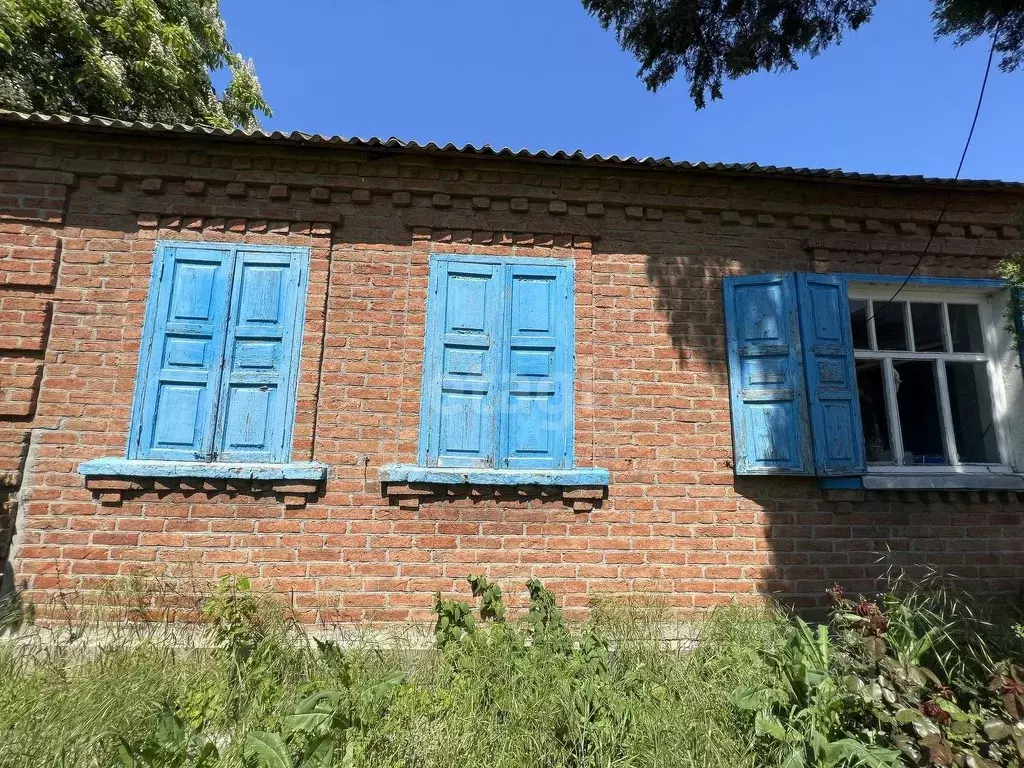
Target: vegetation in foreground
{"type": "Point", "coordinates": [912, 677]}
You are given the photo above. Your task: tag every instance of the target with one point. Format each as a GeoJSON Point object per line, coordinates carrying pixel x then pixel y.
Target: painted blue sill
{"type": "Point", "coordinates": [410, 473]}
{"type": "Point", "coordinates": [924, 482]}
{"type": "Point", "coordinates": [300, 470]}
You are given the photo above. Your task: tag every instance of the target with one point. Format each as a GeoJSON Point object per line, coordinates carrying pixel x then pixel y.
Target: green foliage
{"type": "Point", "coordinates": [510, 694]}
{"type": "Point", "coordinates": [710, 40]}
{"type": "Point", "coordinates": [1011, 269]}
{"type": "Point", "coordinates": [454, 621]}
{"type": "Point", "coordinates": [130, 59]}
{"type": "Point", "coordinates": [491, 606]}
{"type": "Point", "coordinates": [922, 661]}
{"type": "Point", "coordinates": [170, 745]}
{"type": "Point", "coordinates": [544, 616]}
{"type": "Point", "coordinates": [330, 728]}
{"type": "Point", "coordinates": [806, 717]}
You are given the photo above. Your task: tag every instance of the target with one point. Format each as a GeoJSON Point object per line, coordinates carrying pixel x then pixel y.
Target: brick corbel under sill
{"type": "Point", "coordinates": [409, 485]}
{"type": "Point", "coordinates": [294, 483]}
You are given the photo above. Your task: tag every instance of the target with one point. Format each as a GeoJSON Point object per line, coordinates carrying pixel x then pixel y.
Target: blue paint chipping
{"type": "Point", "coordinates": [407, 473]}
{"type": "Point", "coordinates": [771, 431]}
{"type": "Point", "coordinates": [218, 364]}
{"type": "Point", "coordinates": [833, 400]}
{"type": "Point", "coordinates": [303, 470]}
{"type": "Point", "coordinates": [498, 364]}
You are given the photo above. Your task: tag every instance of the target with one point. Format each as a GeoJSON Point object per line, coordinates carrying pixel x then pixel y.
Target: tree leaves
{"type": "Point", "coordinates": [130, 59]}
{"type": "Point", "coordinates": [711, 40]}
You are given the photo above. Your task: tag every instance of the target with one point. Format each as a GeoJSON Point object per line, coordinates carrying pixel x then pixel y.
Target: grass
{"type": "Point", "coordinates": [611, 693]}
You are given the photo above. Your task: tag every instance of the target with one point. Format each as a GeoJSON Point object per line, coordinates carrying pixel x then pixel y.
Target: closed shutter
{"type": "Point", "coordinates": [538, 367]}
{"type": "Point", "coordinates": [832, 395]}
{"type": "Point", "coordinates": [256, 407]}
{"type": "Point", "coordinates": [182, 347]}
{"type": "Point", "coordinates": [462, 367]}
{"type": "Point", "coordinates": [771, 433]}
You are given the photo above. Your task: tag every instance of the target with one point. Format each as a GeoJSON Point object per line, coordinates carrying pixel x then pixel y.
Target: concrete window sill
{"type": "Point", "coordinates": [926, 482]}
{"type": "Point", "coordinates": [111, 479]}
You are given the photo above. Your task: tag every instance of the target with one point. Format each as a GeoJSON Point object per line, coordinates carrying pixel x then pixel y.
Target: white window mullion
{"type": "Point", "coordinates": [947, 334]}
{"type": "Point", "coordinates": [872, 339]}
{"type": "Point", "coordinates": [948, 437]}
{"type": "Point", "coordinates": [908, 327]}
{"type": "Point", "coordinates": [895, 432]}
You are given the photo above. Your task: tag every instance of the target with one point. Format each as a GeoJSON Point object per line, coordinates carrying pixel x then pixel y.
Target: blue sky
{"type": "Point", "coordinates": [542, 74]}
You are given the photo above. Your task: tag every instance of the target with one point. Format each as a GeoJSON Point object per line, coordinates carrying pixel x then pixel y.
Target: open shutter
{"type": "Point", "coordinates": [179, 362]}
{"type": "Point", "coordinates": [256, 408]}
{"type": "Point", "coordinates": [831, 373]}
{"type": "Point", "coordinates": [536, 431]}
{"type": "Point", "coordinates": [771, 434]}
{"type": "Point", "coordinates": [462, 364]}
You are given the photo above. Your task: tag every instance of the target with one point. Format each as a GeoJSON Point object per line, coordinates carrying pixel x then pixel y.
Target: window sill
{"type": "Point", "coordinates": [926, 482]}
{"type": "Point", "coordinates": [409, 485]}
{"type": "Point", "coordinates": [410, 473]}
{"type": "Point", "coordinates": [112, 479]}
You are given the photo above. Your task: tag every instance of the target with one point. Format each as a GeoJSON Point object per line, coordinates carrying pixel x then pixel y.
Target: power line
{"type": "Point", "coordinates": [959, 169]}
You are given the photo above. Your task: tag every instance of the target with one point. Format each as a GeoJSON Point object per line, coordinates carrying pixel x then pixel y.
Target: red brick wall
{"type": "Point", "coordinates": [650, 248]}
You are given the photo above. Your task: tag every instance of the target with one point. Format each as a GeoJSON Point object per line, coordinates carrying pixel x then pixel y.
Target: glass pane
{"type": "Point", "coordinates": [920, 421]}
{"type": "Point", "coordinates": [890, 325]}
{"type": "Point", "coordinates": [873, 415]}
{"type": "Point", "coordinates": [970, 400]}
{"type": "Point", "coordinates": [965, 328]}
{"type": "Point", "coordinates": [859, 323]}
{"type": "Point", "coordinates": [927, 322]}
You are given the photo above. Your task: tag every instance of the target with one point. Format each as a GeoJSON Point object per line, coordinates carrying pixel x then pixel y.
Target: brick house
{"type": "Point", "coordinates": [358, 371]}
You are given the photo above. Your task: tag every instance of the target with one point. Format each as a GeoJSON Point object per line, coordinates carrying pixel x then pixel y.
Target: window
{"type": "Point", "coordinates": [219, 355]}
{"type": "Point", "coordinates": [498, 367]}
{"type": "Point", "coordinates": [832, 376]}
{"type": "Point", "coordinates": [926, 377]}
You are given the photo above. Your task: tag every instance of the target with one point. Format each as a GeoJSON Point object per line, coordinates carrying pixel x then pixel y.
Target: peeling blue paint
{"type": "Point", "coordinates": [112, 467]}
{"type": "Point", "coordinates": [409, 473]}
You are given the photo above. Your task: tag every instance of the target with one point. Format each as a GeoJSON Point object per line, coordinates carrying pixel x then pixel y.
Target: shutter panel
{"type": "Point", "coordinates": [256, 407]}
{"type": "Point", "coordinates": [536, 429]}
{"type": "Point", "coordinates": [833, 400]}
{"type": "Point", "coordinates": [771, 435]}
{"type": "Point", "coordinates": [462, 364]}
{"type": "Point", "coordinates": [179, 362]}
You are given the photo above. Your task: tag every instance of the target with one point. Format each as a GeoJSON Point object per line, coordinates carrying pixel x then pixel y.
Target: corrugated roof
{"type": "Point", "coordinates": [576, 156]}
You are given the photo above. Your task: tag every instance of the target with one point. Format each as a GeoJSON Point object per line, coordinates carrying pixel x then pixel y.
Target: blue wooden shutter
{"type": "Point", "coordinates": [462, 364]}
{"type": "Point", "coordinates": [771, 435]}
{"type": "Point", "coordinates": [832, 396]}
{"type": "Point", "coordinates": [536, 423]}
{"type": "Point", "coordinates": [257, 393]}
{"type": "Point", "coordinates": [179, 361]}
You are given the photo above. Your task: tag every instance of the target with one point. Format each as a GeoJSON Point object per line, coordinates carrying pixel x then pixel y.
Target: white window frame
{"type": "Point", "coordinates": [996, 341]}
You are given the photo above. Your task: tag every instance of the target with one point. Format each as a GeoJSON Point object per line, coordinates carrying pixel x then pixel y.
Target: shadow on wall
{"type": "Point", "coordinates": [817, 538]}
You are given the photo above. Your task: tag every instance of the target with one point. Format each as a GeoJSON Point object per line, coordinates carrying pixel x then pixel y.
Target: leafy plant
{"type": "Point", "coordinates": [454, 621]}
{"type": "Point", "coordinates": [171, 745]}
{"type": "Point", "coordinates": [492, 608]}
{"type": "Point", "coordinates": [961, 708]}
{"type": "Point", "coordinates": [808, 718]}
{"type": "Point", "coordinates": [326, 729]}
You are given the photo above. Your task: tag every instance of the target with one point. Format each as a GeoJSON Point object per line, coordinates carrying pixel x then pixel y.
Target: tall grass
{"type": "Point", "coordinates": [613, 693]}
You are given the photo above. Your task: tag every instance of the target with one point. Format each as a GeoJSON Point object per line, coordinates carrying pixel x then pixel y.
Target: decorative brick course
{"type": "Point", "coordinates": [650, 249]}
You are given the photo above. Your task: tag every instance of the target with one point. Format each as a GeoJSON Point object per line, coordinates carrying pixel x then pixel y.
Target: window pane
{"type": "Point", "coordinates": [859, 323]}
{"type": "Point", "coordinates": [927, 321]}
{"type": "Point", "coordinates": [965, 328]}
{"type": "Point", "coordinates": [873, 415]}
{"type": "Point", "coordinates": [970, 400]}
{"type": "Point", "coordinates": [890, 325]}
{"type": "Point", "coordinates": [920, 420]}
